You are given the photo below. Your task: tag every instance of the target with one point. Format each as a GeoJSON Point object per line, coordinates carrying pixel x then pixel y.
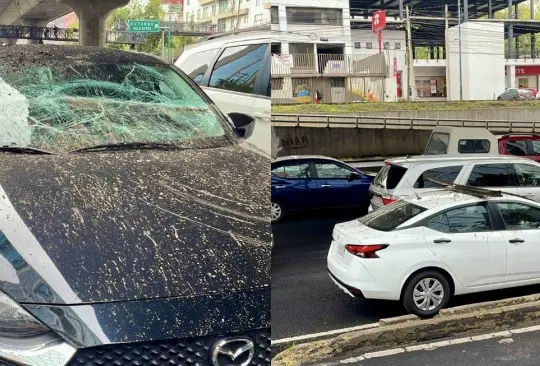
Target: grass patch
{"type": "Point", "coordinates": [401, 106]}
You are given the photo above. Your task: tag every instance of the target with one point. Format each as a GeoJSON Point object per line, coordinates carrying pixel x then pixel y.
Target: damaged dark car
{"type": "Point", "coordinates": [134, 221]}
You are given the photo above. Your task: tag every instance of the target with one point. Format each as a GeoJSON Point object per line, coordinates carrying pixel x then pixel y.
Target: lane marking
{"type": "Point", "coordinates": [324, 334]}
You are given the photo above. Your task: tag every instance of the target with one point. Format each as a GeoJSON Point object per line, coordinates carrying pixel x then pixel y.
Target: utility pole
{"type": "Point", "coordinates": [169, 36]}
{"type": "Point", "coordinates": [410, 71]}
{"type": "Point", "coordinates": [460, 62]}
{"type": "Point", "coordinates": [447, 50]}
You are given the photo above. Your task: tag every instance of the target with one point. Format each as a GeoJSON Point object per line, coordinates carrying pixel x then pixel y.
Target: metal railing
{"type": "Point", "coordinates": [309, 64]}
{"type": "Point", "coordinates": [350, 121]}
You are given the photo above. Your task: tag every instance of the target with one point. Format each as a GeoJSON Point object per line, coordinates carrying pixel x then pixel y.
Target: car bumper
{"type": "Point", "coordinates": [357, 281]}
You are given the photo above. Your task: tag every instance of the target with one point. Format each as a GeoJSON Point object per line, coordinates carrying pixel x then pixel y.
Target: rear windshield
{"type": "Point", "coordinates": [389, 176]}
{"type": "Point", "coordinates": [438, 143]}
{"type": "Point", "coordinates": [389, 217]}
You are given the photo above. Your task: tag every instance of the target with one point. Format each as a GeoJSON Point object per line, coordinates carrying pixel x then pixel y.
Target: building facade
{"type": "Point", "coordinates": [228, 15]}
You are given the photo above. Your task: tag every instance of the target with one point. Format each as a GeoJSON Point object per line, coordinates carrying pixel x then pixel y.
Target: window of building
{"type": "Point", "coordinates": [198, 14]}
{"type": "Point", "coordinates": [223, 4]}
{"type": "Point", "coordinates": [259, 2]}
{"type": "Point", "coordinates": [275, 48]}
{"type": "Point", "coordinates": [233, 24]}
{"type": "Point", "coordinates": [246, 20]}
{"type": "Point", "coordinates": [357, 45]}
{"type": "Point", "coordinates": [205, 12]}
{"type": "Point", "coordinates": [386, 45]}
{"type": "Point", "coordinates": [213, 10]}
{"type": "Point", "coordinates": [221, 25]}
{"type": "Point", "coordinates": [431, 86]}
{"type": "Point", "coordinates": [369, 45]}
{"type": "Point", "coordinates": [187, 2]}
{"type": "Point", "coordinates": [197, 64]}
{"type": "Point", "coordinates": [274, 15]}
{"type": "Point", "coordinates": [237, 68]}
{"type": "Point", "coordinates": [258, 20]}
{"type": "Point", "coordinates": [397, 46]}
{"type": "Point", "coordinates": [314, 16]}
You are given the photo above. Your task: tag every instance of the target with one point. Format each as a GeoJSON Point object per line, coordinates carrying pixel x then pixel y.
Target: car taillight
{"type": "Point", "coordinates": [365, 251]}
{"type": "Point", "coordinates": [386, 200]}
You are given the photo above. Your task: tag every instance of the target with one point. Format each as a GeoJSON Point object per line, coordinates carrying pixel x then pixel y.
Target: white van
{"type": "Point", "coordinates": [234, 70]}
{"type": "Point", "coordinates": [461, 140]}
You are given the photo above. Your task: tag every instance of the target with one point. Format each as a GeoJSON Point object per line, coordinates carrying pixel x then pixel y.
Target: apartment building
{"type": "Point", "coordinates": [228, 15]}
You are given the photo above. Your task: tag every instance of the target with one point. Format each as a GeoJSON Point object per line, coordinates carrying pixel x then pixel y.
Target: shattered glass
{"type": "Point", "coordinates": [61, 106]}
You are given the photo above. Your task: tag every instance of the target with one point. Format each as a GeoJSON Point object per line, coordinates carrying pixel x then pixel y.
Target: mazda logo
{"type": "Point", "coordinates": [233, 351]}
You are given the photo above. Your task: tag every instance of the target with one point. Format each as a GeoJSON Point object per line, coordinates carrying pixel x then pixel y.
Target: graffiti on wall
{"type": "Point", "coordinates": [297, 142]}
{"type": "Point", "coordinates": [302, 94]}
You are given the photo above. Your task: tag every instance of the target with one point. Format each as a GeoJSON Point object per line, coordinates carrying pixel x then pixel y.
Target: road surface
{"type": "Point", "coordinates": [306, 301]}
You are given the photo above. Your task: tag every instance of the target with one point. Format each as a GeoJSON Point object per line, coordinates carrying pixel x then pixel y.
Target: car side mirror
{"type": "Point", "coordinates": [354, 176]}
{"type": "Point", "coordinates": [244, 124]}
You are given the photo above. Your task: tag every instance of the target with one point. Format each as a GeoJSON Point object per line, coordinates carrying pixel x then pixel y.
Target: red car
{"type": "Point", "coordinates": [532, 90]}
{"type": "Point", "coordinates": [520, 144]}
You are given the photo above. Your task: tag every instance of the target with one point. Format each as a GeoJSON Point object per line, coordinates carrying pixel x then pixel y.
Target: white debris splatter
{"type": "Point", "coordinates": [506, 340]}
{"type": "Point", "coordinates": [14, 113]}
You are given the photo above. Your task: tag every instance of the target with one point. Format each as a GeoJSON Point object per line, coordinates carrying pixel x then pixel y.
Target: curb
{"type": "Point", "coordinates": [483, 317]}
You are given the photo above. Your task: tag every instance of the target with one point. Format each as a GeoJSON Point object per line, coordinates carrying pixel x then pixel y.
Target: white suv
{"type": "Point", "coordinates": [407, 176]}
{"type": "Point", "coordinates": [234, 70]}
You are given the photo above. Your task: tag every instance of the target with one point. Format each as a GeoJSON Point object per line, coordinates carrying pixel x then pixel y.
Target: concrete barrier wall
{"type": "Point", "coordinates": [350, 142]}
{"type": "Point", "coordinates": [508, 114]}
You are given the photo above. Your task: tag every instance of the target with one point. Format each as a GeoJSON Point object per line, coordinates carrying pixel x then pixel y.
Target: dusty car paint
{"type": "Point", "coordinates": [136, 245]}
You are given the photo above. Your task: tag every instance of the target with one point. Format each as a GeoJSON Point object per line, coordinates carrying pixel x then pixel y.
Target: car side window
{"type": "Point", "coordinates": [519, 216]}
{"type": "Point", "coordinates": [492, 175]}
{"type": "Point", "coordinates": [446, 174]}
{"type": "Point", "coordinates": [293, 170]}
{"type": "Point", "coordinates": [516, 147]}
{"type": "Point", "coordinates": [238, 67]}
{"type": "Point", "coordinates": [468, 219]}
{"type": "Point", "coordinates": [528, 175]}
{"type": "Point", "coordinates": [473, 146]}
{"type": "Point", "coordinates": [197, 64]}
{"type": "Point", "coordinates": [332, 171]}
{"type": "Point", "coordinates": [536, 147]}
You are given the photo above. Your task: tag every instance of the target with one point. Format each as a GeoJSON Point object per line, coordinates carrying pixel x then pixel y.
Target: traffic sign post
{"type": "Point", "coordinates": [378, 24]}
{"type": "Point", "coordinates": [144, 26]}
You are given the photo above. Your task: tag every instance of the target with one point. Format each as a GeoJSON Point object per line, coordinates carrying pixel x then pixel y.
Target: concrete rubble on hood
{"type": "Point", "coordinates": [405, 330]}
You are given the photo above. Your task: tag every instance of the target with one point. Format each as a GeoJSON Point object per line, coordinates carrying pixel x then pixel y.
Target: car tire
{"type": "Point", "coordinates": [277, 211]}
{"type": "Point", "coordinates": [426, 307]}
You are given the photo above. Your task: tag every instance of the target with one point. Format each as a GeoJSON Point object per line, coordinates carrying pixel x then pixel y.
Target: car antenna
{"type": "Point", "coordinates": [416, 194]}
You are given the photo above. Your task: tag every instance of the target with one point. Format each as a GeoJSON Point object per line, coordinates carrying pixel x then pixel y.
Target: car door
{"type": "Point", "coordinates": [495, 176]}
{"type": "Point", "coordinates": [238, 82]}
{"type": "Point", "coordinates": [522, 222]}
{"type": "Point", "coordinates": [462, 238]}
{"type": "Point", "coordinates": [337, 186]}
{"type": "Point", "coordinates": [528, 176]}
{"type": "Point", "coordinates": [293, 184]}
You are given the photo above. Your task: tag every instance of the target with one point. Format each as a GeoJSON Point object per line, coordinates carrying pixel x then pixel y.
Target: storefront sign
{"type": "Point", "coordinates": [378, 21]}
{"type": "Point", "coordinates": [528, 70]}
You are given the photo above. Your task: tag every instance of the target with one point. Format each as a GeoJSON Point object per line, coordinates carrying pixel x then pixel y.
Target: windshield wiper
{"type": "Point", "coordinates": [129, 146]}
{"type": "Point", "coordinates": [24, 150]}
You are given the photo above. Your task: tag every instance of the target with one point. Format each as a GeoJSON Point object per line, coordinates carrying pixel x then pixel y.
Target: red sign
{"type": "Point", "coordinates": [527, 70]}
{"type": "Point", "coordinates": [395, 67]}
{"type": "Point", "coordinates": [378, 21]}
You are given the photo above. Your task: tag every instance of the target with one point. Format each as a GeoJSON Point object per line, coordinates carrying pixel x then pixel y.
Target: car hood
{"type": "Point", "coordinates": [132, 225]}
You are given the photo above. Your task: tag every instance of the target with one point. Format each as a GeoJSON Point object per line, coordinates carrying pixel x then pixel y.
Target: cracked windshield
{"type": "Point", "coordinates": [63, 105]}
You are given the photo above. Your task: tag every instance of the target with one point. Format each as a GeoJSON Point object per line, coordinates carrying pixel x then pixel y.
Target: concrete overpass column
{"type": "Point", "coordinates": [92, 16]}
{"type": "Point", "coordinates": [510, 76]}
{"type": "Point", "coordinates": [510, 31]}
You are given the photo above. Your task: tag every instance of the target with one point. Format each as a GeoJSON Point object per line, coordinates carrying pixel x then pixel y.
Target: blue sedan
{"type": "Point", "coordinates": [302, 183]}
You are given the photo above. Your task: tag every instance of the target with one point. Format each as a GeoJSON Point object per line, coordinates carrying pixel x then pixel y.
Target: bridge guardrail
{"type": "Point", "coordinates": [350, 121]}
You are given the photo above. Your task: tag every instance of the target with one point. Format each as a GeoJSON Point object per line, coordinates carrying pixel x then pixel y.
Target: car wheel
{"type": "Point", "coordinates": [277, 212]}
{"type": "Point", "coordinates": [426, 293]}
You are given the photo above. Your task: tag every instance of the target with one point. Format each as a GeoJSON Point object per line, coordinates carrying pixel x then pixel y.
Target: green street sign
{"type": "Point", "coordinates": [144, 26]}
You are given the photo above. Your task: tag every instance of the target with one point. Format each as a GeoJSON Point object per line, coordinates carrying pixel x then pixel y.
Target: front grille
{"type": "Point", "coordinates": [185, 352]}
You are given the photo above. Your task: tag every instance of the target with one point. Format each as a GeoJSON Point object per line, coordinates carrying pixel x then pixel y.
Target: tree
{"type": "Point", "coordinates": [139, 10]}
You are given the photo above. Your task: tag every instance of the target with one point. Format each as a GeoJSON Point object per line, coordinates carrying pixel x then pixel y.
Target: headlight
{"type": "Point", "coordinates": [16, 322]}
{"type": "Point", "coordinates": [26, 341]}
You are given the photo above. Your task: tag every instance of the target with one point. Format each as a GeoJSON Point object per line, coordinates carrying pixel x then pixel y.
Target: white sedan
{"type": "Point", "coordinates": [423, 250]}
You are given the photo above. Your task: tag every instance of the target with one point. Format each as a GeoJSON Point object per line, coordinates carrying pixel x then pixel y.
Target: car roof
{"type": "Point", "coordinates": [303, 157]}
{"type": "Point", "coordinates": [213, 43]}
{"type": "Point", "coordinates": [447, 198]}
{"type": "Point", "coordinates": [455, 158]}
